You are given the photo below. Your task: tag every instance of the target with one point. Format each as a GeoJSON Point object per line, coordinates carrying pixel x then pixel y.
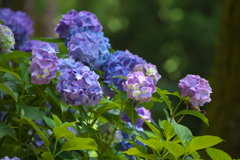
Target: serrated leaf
{"type": "Point", "coordinates": [164, 97]}
{"type": "Point", "coordinates": [217, 154]}
{"type": "Point", "coordinates": [194, 113]}
{"type": "Point", "coordinates": [103, 109]}
{"type": "Point", "coordinates": [24, 69]}
{"type": "Point", "coordinates": [135, 152]}
{"type": "Point", "coordinates": [202, 142]}
{"type": "Point", "coordinates": [6, 130]}
{"type": "Point", "coordinates": [9, 91]}
{"type": "Point", "coordinates": [183, 133]}
{"type": "Point", "coordinates": [39, 132]}
{"type": "Point", "coordinates": [13, 73]}
{"type": "Point", "coordinates": [31, 112]}
{"type": "Point", "coordinates": [148, 105]}
{"type": "Point", "coordinates": [79, 143]}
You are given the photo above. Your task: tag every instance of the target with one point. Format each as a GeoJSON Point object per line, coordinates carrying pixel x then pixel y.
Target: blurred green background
{"type": "Point", "coordinates": [179, 36]}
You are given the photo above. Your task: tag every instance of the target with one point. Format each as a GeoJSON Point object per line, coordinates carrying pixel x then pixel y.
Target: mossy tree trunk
{"type": "Point", "coordinates": [224, 110]}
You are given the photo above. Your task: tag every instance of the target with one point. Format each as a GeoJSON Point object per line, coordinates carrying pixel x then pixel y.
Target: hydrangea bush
{"type": "Point", "coordinates": [78, 98]}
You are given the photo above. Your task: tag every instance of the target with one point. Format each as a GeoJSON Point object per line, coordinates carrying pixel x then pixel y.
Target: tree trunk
{"type": "Point", "coordinates": [224, 110]}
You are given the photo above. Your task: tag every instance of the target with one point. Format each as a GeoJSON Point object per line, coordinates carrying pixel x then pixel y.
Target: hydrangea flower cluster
{"type": "Point", "coordinates": [68, 63]}
{"type": "Point", "coordinates": [76, 22]}
{"type": "Point", "coordinates": [29, 46]}
{"type": "Point", "coordinates": [44, 63]}
{"type": "Point", "coordinates": [7, 158]}
{"type": "Point", "coordinates": [106, 132]}
{"type": "Point", "coordinates": [149, 70]}
{"type": "Point", "coordinates": [139, 87]}
{"type": "Point", "coordinates": [146, 114]}
{"type": "Point", "coordinates": [90, 48]}
{"type": "Point", "coordinates": [20, 24]}
{"type": "Point", "coordinates": [79, 86]}
{"type": "Point", "coordinates": [6, 39]}
{"type": "Point", "coordinates": [120, 63]}
{"type": "Point", "coordinates": [197, 88]}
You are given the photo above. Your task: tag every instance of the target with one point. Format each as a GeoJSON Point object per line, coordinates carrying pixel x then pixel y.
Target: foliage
{"type": "Point", "coordinates": [37, 124]}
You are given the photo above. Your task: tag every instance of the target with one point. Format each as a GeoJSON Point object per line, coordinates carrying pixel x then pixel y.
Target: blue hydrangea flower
{"type": "Point", "coordinates": [7, 158]}
{"type": "Point", "coordinates": [79, 86]}
{"type": "Point", "coordinates": [146, 114]}
{"type": "Point", "coordinates": [90, 48]}
{"type": "Point", "coordinates": [68, 63]}
{"type": "Point", "coordinates": [119, 64]}
{"type": "Point", "coordinates": [149, 70]}
{"type": "Point", "coordinates": [29, 45]}
{"type": "Point", "coordinates": [75, 22]}
{"type": "Point", "coordinates": [20, 24]}
{"type": "Point", "coordinates": [44, 64]}
{"type": "Point", "coordinates": [139, 87]}
{"type": "Point", "coordinates": [197, 88]}
{"type": "Point", "coordinates": [6, 39]}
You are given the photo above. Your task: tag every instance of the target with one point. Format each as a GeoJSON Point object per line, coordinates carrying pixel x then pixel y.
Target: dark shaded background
{"type": "Point", "coordinates": [179, 37]}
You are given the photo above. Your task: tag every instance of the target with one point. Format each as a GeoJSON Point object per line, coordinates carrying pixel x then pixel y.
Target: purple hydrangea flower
{"type": "Point", "coordinates": [74, 22]}
{"type": "Point", "coordinates": [149, 70]}
{"type": "Point", "coordinates": [119, 64]}
{"type": "Point", "coordinates": [146, 114]}
{"type": "Point", "coordinates": [20, 24]}
{"type": "Point", "coordinates": [196, 88]}
{"type": "Point", "coordinates": [68, 64]}
{"type": "Point", "coordinates": [90, 48]}
{"type": "Point", "coordinates": [44, 63]}
{"type": "Point", "coordinates": [7, 158]}
{"type": "Point", "coordinates": [6, 39]}
{"type": "Point", "coordinates": [139, 87]}
{"type": "Point", "coordinates": [79, 86]}
{"type": "Point", "coordinates": [29, 46]}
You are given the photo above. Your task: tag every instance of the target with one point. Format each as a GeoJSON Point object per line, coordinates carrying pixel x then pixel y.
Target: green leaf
{"type": "Point", "coordinates": [148, 105]}
{"type": "Point", "coordinates": [194, 113]}
{"type": "Point", "coordinates": [57, 121]}
{"type": "Point", "coordinates": [18, 55]}
{"type": "Point", "coordinates": [79, 143]}
{"type": "Point", "coordinates": [6, 130]}
{"type": "Point", "coordinates": [24, 69]}
{"type": "Point", "coordinates": [39, 132]}
{"type": "Point", "coordinates": [68, 124]}
{"type": "Point", "coordinates": [202, 142]}
{"type": "Point", "coordinates": [103, 109]}
{"type": "Point", "coordinates": [12, 150]}
{"type": "Point", "coordinates": [49, 122]}
{"type": "Point", "coordinates": [63, 132]}
{"type": "Point", "coordinates": [9, 91]}
{"type": "Point", "coordinates": [174, 148]}
{"type": "Point", "coordinates": [13, 73]}
{"type": "Point", "coordinates": [153, 143]}
{"type": "Point", "coordinates": [164, 97]}
{"type": "Point", "coordinates": [217, 154]}
{"type": "Point", "coordinates": [31, 112]}
{"type": "Point", "coordinates": [153, 128]}
{"type": "Point", "coordinates": [132, 114]}
{"type": "Point", "coordinates": [183, 133]}
{"type": "Point", "coordinates": [135, 152]}
{"type": "Point", "coordinates": [117, 102]}
{"type": "Point", "coordinates": [168, 129]}
{"type": "Point", "coordinates": [47, 155]}
{"type": "Point", "coordinates": [122, 77]}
